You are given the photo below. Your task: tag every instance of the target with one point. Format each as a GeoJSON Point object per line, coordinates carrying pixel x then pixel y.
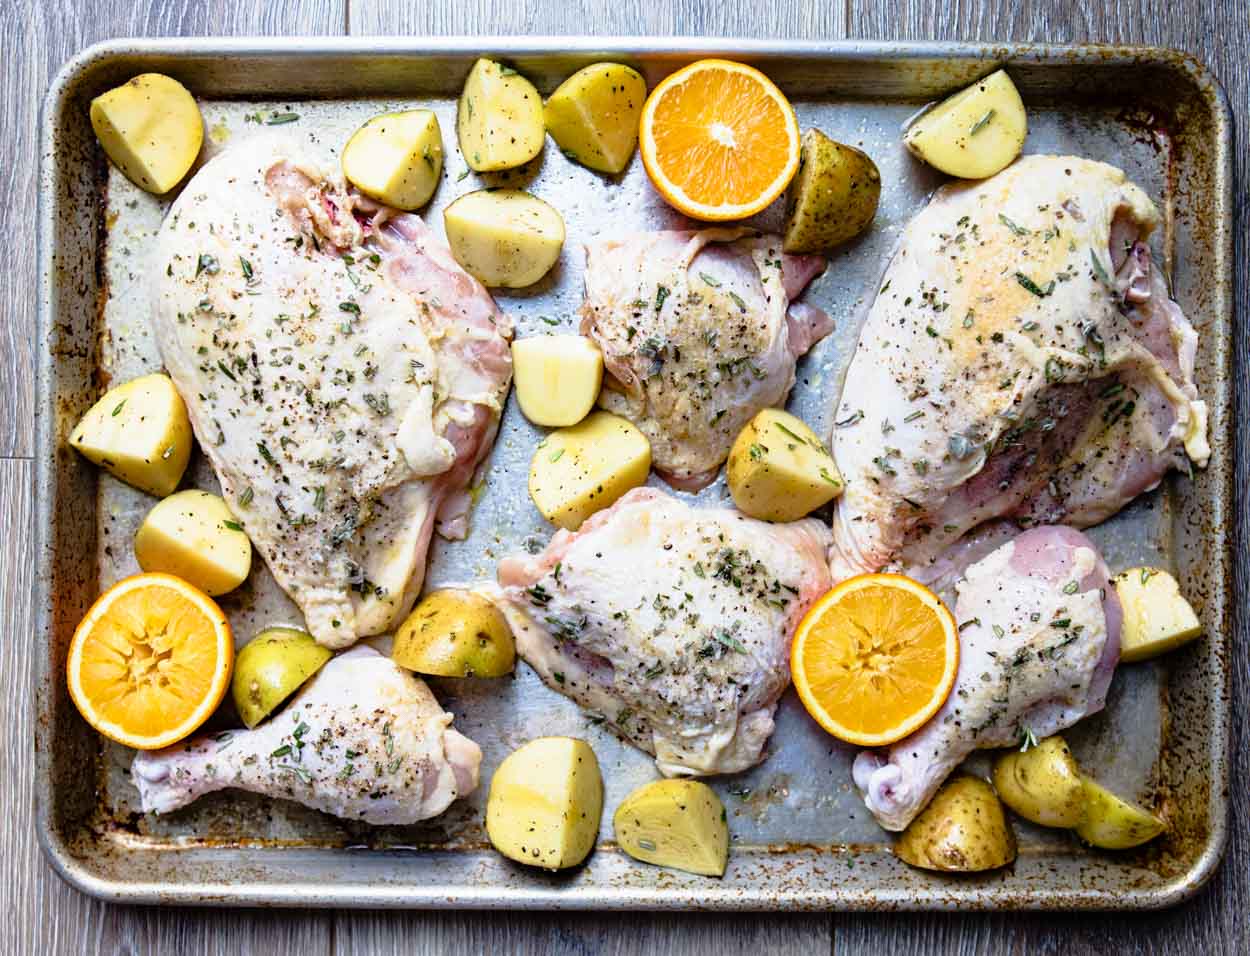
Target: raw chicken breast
{"type": "Point", "coordinates": [1022, 360]}
{"type": "Point", "coordinates": [698, 334]}
{"type": "Point", "coordinates": [672, 622]}
{"type": "Point", "coordinates": [343, 374]}
{"type": "Point", "coordinates": [1039, 641]}
{"type": "Point", "coordinates": [364, 740]}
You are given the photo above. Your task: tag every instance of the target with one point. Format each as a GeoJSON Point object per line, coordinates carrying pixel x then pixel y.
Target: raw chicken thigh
{"type": "Point", "coordinates": [672, 622]}
{"type": "Point", "coordinates": [1039, 641]}
{"type": "Point", "coordinates": [698, 334]}
{"type": "Point", "coordinates": [1022, 360]}
{"type": "Point", "coordinates": [364, 740]}
{"type": "Point", "coordinates": [343, 374]}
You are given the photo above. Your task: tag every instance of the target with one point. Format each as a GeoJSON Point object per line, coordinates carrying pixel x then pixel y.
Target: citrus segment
{"type": "Point", "coordinates": [719, 140]}
{"type": "Point", "coordinates": [875, 658]}
{"type": "Point", "coordinates": [151, 661]}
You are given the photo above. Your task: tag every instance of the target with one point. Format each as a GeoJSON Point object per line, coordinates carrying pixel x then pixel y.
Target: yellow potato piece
{"type": "Point", "coordinates": [271, 667]}
{"type": "Point", "coordinates": [499, 120]}
{"type": "Point", "coordinates": [680, 824]}
{"type": "Point", "coordinates": [974, 133]}
{"type": "Point", "coordinates": [962, 830]}
{"type": "Point", "coordinates": [397, 158]}
{"type": "Point", "coordinates": [833, 197]}
{"type": "Point", "coordinates": [1042, 784]}
{"type": "Point", "coordinates": [593, 115]}
{"type": "Point", "coordinates": [140, 433]}
{"type": "Point", "coordinates": [580, 470]}
{"type": "Point", "coordinates": [779, 470]}
{"type": "Point", "coordinates": [504, 237]}
{"type": "Point", "coordinates": [455, 633]}
{"type": "Point", "coordinates": [151, 129]}
{"type": "Point", "coordinates": [1157, 618]}
{"type": "Point", "coordinates": [545, 802]}
{"type": "Point", "coordinates": [557, 378]}
{"type": "Point", "coordinates": [1112, 823]}
{"type": "Point", "coordinates": [193, 535]}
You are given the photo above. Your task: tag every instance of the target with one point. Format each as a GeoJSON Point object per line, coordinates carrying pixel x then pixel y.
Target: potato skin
{"type": "Point", "coordinates": [271, 667]}
{"type": "Point", "coordinates": [504, 237]}
{"type": "Point", "coordinates": [1042, 784]}
{"type": "Point", "coordinates": [834, 196]}
{"type": "Point", "coordinates": [455, 633]}
{"type": "Point", "coordinates": [1112, 823]}
{"type": "Point", "coordinates": [151, 128]}
{"type": "Point", "coordinates": [962, 830]}
{"type": "Point", "coordinates": [593, 115]}
{"type": "Point", "coordinates": [680, 824]}
{"type": "Point", "coordinates": [396, 158]}
{"type": "Point", "coordinates": [973, 133]}
{"type": "Point", "coordinates": [499, 119]}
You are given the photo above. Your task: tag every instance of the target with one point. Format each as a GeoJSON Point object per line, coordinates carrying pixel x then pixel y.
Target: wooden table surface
{"type": "Point", "coordinates": [44, 916]}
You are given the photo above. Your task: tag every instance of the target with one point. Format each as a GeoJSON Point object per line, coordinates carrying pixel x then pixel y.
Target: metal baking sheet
{"type": "Point", "coordinates": [801, 837]}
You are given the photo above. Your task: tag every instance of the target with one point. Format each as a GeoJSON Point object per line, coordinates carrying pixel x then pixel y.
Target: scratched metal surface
{"type": "Point", "coordinates": [800, 833]}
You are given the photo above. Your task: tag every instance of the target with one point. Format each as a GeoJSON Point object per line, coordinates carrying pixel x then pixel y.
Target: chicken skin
{"type": "Point", "coordinates": [672, 622]}
{"type": "Point", "coordinates": [698, 333]}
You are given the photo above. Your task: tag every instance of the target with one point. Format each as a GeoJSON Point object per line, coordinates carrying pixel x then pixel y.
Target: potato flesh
{"type": "Point", "coordinates": [557, 378]}
{"type": "Point", "coordinates": [963, 829]}
{"type": "Point", "coordinates": [140, 433]}
{"type": "Point", "coordinates": [396, 158]}
{"type": "Point", "coordinates": [455, 633]}
{"type": "Point", "coordinates": [1114, 824]}
{"type": "Point", "coordinates": [1157, 618]}
{"type": "Point", "coordinates": [779, 470]}
{"type": "Point", "coordinates": [545, 802]}
{"type": "Point", "coordinates": [593, 115]}
{"type": "Point", "coordinates": [974, 133]}
{"type": "Point", "coordinates": [151, 129]}
{"type": "Point", "coordinates": [1042, 784]}
{"type": "Point", "coordinates": [680, 824]}
{"type": "Point", "coordinates": [833, 198]}
{"type": "Point", "coordinates": [504, 237]}
{"type": "Point", "coordinates": [499, 120]}
{"type": "Point", "coordinates": [194, 536]}
{"type": "Point", "coordinates": [585, 468]}
{"type": "Point", "coordinates": [270, 668]}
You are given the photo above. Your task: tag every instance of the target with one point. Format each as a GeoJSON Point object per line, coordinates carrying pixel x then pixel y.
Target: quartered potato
{"type": "Point", "coordinates": [1112, 823]}
{"type": "Point", "coordinates": [455, 633]}
{"type": "Point", "coordinates": [963, 829]}
{"type": "Point", "coordinates": [593, 115]}
{"type": "Point", "coordinates": [396, 158]}
{"type": "Point", "coordinates": [1042, 784]}
{"type": "Point", "coordinates": [1157, 618]}
{"type": "Point", "coordinates": [499, 120]}
{"type": "Point", "coordinates": [545, 802]}
{"type": "Point", "coordinates": [779, 470]}
{"type": "Point", "coordinates": [583, 469]}
{"type": "Point", "coordinates": [557, 378]}
{"type": "Point", "coordinates": [271, 667]}
{"type": "Point", "coordinates": [974, 133]}
{"type": "Point", "coordinates": [680, 824]}
{"type": "Point", "coordinates": [193, 535]}
{"type": "Point", "coordinates": [834, 196]}
{"type": "Point", "coordinates": [139, 432]}
{"type": "Point", "coordinates": [151, 129]}
{"type": "Point", "coordinates": [504, 237]}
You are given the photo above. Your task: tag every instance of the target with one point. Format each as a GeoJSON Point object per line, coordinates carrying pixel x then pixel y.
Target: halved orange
{"type": "Point", "coordinates": [151, 661]}
{"type": "Point", "coordinates": [875, 658]}
{"type": "Point", "coordinates": [719, 140]}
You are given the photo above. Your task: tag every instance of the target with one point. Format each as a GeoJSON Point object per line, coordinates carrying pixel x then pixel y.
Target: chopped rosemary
{"type": "Point", "coordinates": [980, 124]}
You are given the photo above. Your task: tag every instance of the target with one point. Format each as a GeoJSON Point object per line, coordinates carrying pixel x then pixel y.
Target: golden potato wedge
{"type": "Point", "coordinates": [455, 633]}
{"type": "Point", "coordinates": [779, 470]}
{"type": "Point", "coordinates": [557, 378]}
{"type": "Point", "coordinates": [499, 120]}
{"type": "Point", "coordinates": [504, 237]}
{"type": "Point", "coordinates": [1112, 823]}
{"type": "Point", "coordinates": [962, 830]}
{"type": "Point", "coordinates": [974, 133]}
{"type": "Point", "coordinates": [593, 115]}
{"type": "Point", "coordinates": [1157, 618]}
{"type": "Point", "coordinates": [139, 432]}
{"type": "Point", "coordinates": [833, 197]}
{"type": "Point", "coordinates": [270, 668]}
{"type": "Point", "coordinates": [545, 802]}
{"type": "Point", "coordinates": [1042, 784]}
{"type": "Point", "coordinates": [680, 824]}
{"type": "Point", "coordinates": [583, 469]}
{"type": "Point", "coordinates": [151, 128]}
{"type": "Point", "coordinates": [193, 535]}
{"type": "Point", "coordinates": [396, 158]}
